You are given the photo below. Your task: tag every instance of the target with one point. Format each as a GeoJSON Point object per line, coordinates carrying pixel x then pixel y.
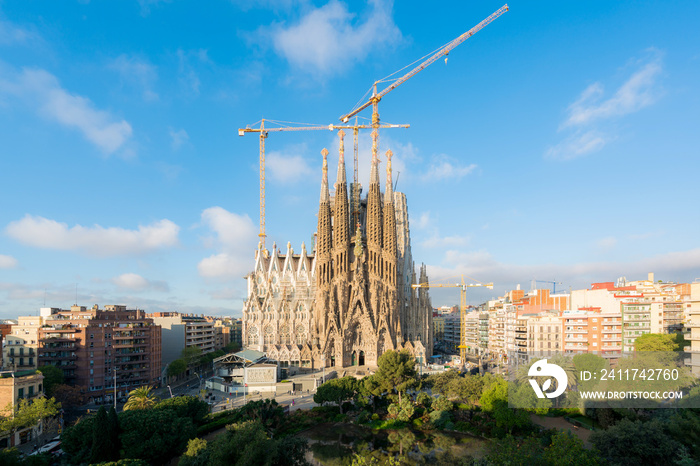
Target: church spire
{"type": "Point", "coordinates": [341, 216]}
{"type": "Point", "coordinates": [390, 258]}
{"type": "Point", "coordinates": [325, 196]}
{"type": "Point", "coordinates": [374, 173]}
{"type": "Point", "coordinates": [325, 236]}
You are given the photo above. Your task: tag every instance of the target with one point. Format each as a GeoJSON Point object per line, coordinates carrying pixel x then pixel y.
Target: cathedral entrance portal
{"type": "Point", "coordinates": [354, 359]}
{"type": "Point", "coordinates": [362, 358]}
{"type": "Point", "coordinates": [332, 361]}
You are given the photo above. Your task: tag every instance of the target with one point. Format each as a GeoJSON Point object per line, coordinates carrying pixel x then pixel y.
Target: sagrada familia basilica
{"type": "Point", "coordinates": [351, 298]}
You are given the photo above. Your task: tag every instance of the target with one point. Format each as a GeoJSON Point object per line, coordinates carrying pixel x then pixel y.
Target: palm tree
{"type": "Point", "coordinates": [141, 398]}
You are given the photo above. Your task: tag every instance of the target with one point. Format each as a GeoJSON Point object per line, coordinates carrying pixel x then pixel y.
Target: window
{"type": "Point", "coordinates": [20, 393]}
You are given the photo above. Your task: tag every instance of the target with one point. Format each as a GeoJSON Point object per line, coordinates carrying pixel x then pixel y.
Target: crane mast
{"type": "Point", "coordinates": [462, 308]}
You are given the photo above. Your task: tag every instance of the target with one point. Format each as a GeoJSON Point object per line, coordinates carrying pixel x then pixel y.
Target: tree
{"type": "Point", "coordinates": [191, 355]}
{"type": "Point", "coordinates": [566, 449]}
{"type": "Point", "coordinates": [402, 411]}
{"type": "Point", "coordinates": [337, 391]}
{"type": "Point", "coordinates": [76, 441]}
{"type": "Point", "coordinates": [267, 412]}
{"type": "Point", "coordinates": [659, 342]}
{"type": "Point", "coordinates": [186, 406]}
{"type": "Point", "coordinates": [177, 367]}
{"type": "Point", "coordinates": [69, 397]}
{"type": "Point", "coordinates": [53, 376]}
{"type": "Point", "coordinates": [28, 414]}
{"type": "Point", "coordinates": [249, 444]}
{"type": "Point", "coordinates": [636, 442]}
{"type": "Point", "coordinates": [196, 453]}
{"type": "Point", "coordinates": [113, 445]}
{"type": "Point", "coordinates": [154, 435]}
{"type": "Point", "coordinates": [100, 440]}
{"type": "Point", "coordinates": [467, 388]}
{"type": "Point", "coordinates": [397, 371]}
{"type": "Point", "coordinates": [140, 398]}
{"type": "Point", "coordinates": [495, 401]}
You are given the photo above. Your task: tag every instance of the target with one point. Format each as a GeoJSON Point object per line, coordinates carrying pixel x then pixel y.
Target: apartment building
{"type": "Point", "coordinates": [97, 348]}
{"type": "Point", "coordinates": [471, 332]}
{"type": "Point", "coordinates": [545, 335]}
{"type": "Point", "coordinates": [15, 386]}
{"type": "Point", "coordinates": [181, 331]}
{"type": "Point", "coordinates": [483, 331]}
{"type": "Point", "coordinates": [521, 337]}
{"type": "Point", "coordinates": [451, 336]}
{"type": "Point", "coordinates": [438, 328]}
{"type": "Point", "coordinates": [237, 332]}
{"type": "Point", "coordinates": [593, 332]}
{"type": "Point", "coordinates": [497, 333]}
{"type": "Point", "coordinates": [222, 333]}
{"type": "Point", "coordinates": [19, 347]}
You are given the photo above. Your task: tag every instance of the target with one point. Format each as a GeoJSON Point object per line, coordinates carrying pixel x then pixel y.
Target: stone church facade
{"type": "Point", "coordinates": [351, 299]}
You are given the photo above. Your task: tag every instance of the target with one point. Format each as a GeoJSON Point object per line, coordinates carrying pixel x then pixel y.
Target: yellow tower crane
{"type": "Point", "coordinates": [441, 52]}
{"type": "Point", "coordinates": [263, 132]}
{"type": "Point", "coordinates": [462, 307]}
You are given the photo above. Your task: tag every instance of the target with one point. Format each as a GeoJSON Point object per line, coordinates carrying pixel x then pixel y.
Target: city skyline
{"type": "Point", "coordinates": [557, 143]}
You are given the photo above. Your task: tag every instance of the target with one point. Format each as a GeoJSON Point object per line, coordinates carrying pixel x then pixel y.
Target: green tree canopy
{"type": "Point", "coordinates": [337, 391]}
{"type": "Point", "coordinates": [250, 444]}
{"type": "Point", "coordinates": [636, 442]}
{"type": "Point", "coordinates": [191, 355]}
{"type": "Point", "coordinates": [659, 342]}
{"type": "Point", "coordinates": [186, 406]}
{"type": "Point", "coordinates": [397, 371]}
{"type": "Point", "coordinates": [177, 367]}
{"type": "Point", "coordinates": [154, 435]}
{"type": "Point", "coordinates": [53, 376]}
{"type": "Point", "coordinates": [140, 398]}
{"type": "Point", "coordinates": [28, 413]}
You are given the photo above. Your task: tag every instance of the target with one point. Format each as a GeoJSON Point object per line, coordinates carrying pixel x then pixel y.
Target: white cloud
{"type": "Point", "coordinates": [329, 39]}
{"type": "Point", "coordinates": [11, 34]}
{"type": "Point", "coordinates": [178, 138]}
{"type": "Point", "coordinates": [290, 166]}
{"type": "Point", "coordinates": [7, 262]}
{"type": "Point", "coordinates": [639, 91]}
{"type": "Point", "coordinates": [443, 167]}
{"type": "Point", "coordinates": [424, 220]}
{"type": "Point", "coordinates": [135, 282]}
{"type": "Point", "coordinates": [138, 72]}
{"type": "Point", "coordinates": [96, 240]}
{"type": "Point", "coordinates": [577, 145]}
{"type": "Point", "coordinates": [606, 244]}
{"type": "Point", "coordinates": [585, 115]}
{"type": "Point", "coordinates": [235, 237]}
{"type": "Point", "coordinates": [42, 89]}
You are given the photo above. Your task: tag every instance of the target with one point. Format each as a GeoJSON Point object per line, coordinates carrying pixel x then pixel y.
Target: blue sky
{"type": "Point", "coordinates": [560, 143]}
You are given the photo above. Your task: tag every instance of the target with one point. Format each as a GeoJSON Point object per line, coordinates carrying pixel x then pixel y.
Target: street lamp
{"type": "Point", "coordinates": [171, 391]}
